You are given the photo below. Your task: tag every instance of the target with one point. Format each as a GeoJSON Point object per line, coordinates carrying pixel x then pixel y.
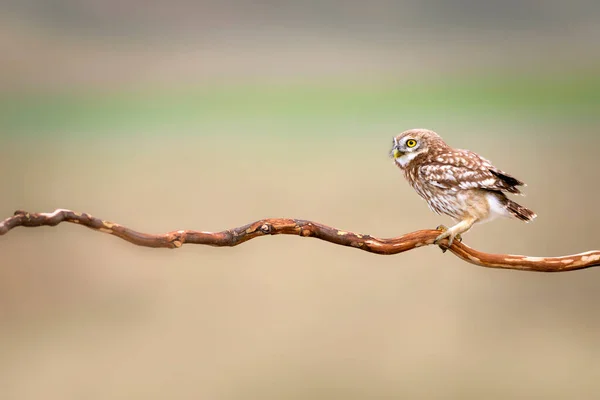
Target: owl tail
{"type": "Point", "coordinates": [522, 213]}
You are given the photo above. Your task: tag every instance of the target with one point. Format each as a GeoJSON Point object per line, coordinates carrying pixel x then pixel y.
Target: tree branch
{"type": "Point", "coordinates": [287, 226]}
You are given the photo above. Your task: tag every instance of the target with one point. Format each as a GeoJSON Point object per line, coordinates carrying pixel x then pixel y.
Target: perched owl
{"type": "Point", "coordinates": [458, 183]}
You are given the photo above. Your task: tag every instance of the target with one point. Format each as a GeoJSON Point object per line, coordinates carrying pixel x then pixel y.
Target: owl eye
{"type": "Point", "coordinates": [411, 143]}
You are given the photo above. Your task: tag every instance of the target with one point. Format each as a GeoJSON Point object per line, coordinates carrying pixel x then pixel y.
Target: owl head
{"type": "Point", "coordinates": [410, 144]}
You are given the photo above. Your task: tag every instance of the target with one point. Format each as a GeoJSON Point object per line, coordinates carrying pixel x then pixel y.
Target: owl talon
{"type": "Point", "coordinates": [437, 240]}
{"type": "Point", "coordinates": [441, 237]}
{"type": "Point", "coordinates": [446, 234]}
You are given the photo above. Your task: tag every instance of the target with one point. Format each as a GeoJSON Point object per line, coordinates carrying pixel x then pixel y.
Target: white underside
{"type": "Point", "coordinates": [496, 208]}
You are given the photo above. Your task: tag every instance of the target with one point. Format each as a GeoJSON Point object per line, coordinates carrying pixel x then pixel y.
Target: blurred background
{"type": "Point", "coordinates": [212, 114]}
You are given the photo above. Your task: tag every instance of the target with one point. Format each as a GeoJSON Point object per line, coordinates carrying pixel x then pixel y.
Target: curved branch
{"type": "Point", "coordinates": [288, 226]}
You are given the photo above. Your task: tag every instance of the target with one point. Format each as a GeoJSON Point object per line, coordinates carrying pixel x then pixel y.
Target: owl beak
{"type": "Point", "coordinates": [396, 153]}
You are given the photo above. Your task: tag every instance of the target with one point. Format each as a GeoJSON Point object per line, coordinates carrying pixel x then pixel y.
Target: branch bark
{"type": "Point", "coordinates": [288, 226]}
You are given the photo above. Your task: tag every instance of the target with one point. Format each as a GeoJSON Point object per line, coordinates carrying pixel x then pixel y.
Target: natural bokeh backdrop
{"type": "Point", "coordinates": [209, 115]}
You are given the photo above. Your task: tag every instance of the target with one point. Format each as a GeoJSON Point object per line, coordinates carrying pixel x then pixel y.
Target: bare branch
{"type": "Point", "coordinates": [287, 226]}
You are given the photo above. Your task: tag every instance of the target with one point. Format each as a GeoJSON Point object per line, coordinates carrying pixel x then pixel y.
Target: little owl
{"type": "Point", "coordinates": [458, 183]}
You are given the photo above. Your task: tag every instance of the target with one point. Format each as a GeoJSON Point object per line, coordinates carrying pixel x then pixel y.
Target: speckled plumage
{"type": "Point", "coordinates": [454, 182]}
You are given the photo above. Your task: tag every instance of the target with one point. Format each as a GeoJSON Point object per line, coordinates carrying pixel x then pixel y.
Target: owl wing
{"type": "Point", "coordinates": [463, 169]}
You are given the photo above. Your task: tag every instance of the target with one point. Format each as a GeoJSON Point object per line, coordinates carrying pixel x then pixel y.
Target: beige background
{"type": "Point", "coordinates": [87, 316]}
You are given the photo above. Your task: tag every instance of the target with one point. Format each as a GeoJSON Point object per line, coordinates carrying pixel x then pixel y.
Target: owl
{"type": "Point", "coordinates": [457, 183]}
